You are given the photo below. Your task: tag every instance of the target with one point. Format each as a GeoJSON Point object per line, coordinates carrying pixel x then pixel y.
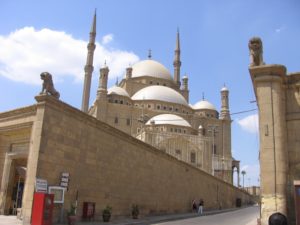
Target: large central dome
{"type": "Point", "coordinates": [160, 93]}
{"type": "Point", "coordinates": [150, 68]}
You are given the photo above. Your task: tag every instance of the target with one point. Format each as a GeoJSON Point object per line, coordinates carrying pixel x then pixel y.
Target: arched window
{"type": "Point", "coordinates": [193, 157]}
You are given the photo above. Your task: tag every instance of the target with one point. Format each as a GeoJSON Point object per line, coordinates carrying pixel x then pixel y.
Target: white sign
{"type": "Point", "coordinates": [59, 193]}
{"type": "Point", "coordinates": [65, 174]}
{"type": "Point", "coordinates": [41, 185]}
{"type": "Point", "coordinates": [64, 184]}
{"type": "Point", "coordinates": [64, 180]}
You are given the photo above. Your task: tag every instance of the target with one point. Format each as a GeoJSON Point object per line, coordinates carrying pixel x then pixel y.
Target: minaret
{"type": "Point", "coordinates": [177, 62]}
{"type": "Point", "coordinates": [101, 99]}
{"type": "Point", "coordinates": [102, 88]}
{"type": "Point", "coordinates": [225, 114]}
{"type": "Point", "coordinates": [88, 69]}
{"type": "Point", "coordinates": [128, 73]}
{"type": "Point", "coordinates": [185, 87]}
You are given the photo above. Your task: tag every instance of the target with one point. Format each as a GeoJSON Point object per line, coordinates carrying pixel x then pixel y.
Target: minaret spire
{"type": "Point", "coordinates": [88, 69]}
{"type": "Point", "coordinates": [177, 62]}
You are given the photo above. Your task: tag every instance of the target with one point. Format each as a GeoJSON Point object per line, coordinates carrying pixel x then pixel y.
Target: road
{"type": "Point", "coordinates": [246, 216]}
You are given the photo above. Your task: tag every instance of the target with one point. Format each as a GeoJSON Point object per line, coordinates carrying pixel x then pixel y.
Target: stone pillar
{"type": "Point", "coordinates": [270, 94]}
{"type": "Point", "coordinates": [4, 183]}
{"type": "Point", "coordinates": [33, 156]}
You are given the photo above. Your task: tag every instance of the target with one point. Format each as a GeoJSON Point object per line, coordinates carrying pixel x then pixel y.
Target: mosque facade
{"type": "Point", "coordinates": [152, 105]}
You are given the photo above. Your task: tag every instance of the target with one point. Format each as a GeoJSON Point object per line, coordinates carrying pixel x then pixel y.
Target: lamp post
{"type": "Point", "coordinates": [243, 173]}
{"type": "Point", "coordinates": [213, 129]}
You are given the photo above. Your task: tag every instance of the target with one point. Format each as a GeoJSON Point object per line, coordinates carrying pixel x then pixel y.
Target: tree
{"type": "Point", "coordinates": [243, 173]}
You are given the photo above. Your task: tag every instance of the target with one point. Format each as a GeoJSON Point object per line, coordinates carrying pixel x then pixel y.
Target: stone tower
{"type": "Point", "coordinates": [185, 87]}
{"type": "Point", "coordinates": [88, 69]}
{"type": "Point", "coordinates": [225, 104]}
{"type": "Point", "coordinates": [101, 99]}
{"type": "Point", "coordinates": [226, 133]}
{"type": "Point", "coordinates": [268, 82]}
{"type": "Point", "coordinates": [177, 62]}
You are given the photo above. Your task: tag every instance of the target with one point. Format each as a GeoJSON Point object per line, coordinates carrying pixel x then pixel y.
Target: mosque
{"type": "Point", "coordinates": [138, 136]}
{"type": "Point", "coordinates": [152, 105]}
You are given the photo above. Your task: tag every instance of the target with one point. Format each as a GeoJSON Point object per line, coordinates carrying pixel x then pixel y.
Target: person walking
{"type": "Point", "coordinates": [194, 206]}
{"type": "Point", "coordinates": [201, 204]}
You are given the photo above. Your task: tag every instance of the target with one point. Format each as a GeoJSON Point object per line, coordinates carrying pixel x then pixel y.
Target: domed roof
{"type": "Point", "coordinates": [170, 119]}
{"type": "Point", "coordinates": [117, 91]}
{"type": "Point", "coordinates": [161, 93]}
{"type": "Point", "coordinates": [150, 68]}
{"type": "Point", "coordinates": [224, 88]}
{"type": "Point", "coordinates": [204, 105]}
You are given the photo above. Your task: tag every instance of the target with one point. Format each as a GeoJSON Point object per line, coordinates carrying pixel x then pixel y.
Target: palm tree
{"type": "Point", "coordinates": [243, 173]}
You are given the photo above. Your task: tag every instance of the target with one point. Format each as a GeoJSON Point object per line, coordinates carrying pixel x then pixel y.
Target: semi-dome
{"type": "Point", "coordinates": [169, 119]}
{"type": "Point", "coordinates": [151, 68]}
{"type": "Point", "coordinates": [203, 104]}
{"type": "Point", "coordinates": [161, 93]}
{"type": "Point", "coordinates": [117, 91]}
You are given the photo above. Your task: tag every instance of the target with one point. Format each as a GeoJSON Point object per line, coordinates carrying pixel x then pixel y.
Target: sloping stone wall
{"type": "Point", "coordinates": [109, 167]}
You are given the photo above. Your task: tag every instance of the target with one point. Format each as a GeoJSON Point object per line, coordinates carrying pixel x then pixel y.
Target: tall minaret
{"type": "Point", "coordinates": [177, 62]}
{"type": "Point", "coordinates": [88, 69]}
{"type": "Point", "coordinates": [225, 114]}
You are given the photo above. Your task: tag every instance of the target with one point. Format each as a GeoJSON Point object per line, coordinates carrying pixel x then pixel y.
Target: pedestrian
{"type": "Point", "coordinates": [277, 219]}
{"type": "Point", "coordinates": [201, 204]}
{"type": "Point", "coordinates": [194, 206]}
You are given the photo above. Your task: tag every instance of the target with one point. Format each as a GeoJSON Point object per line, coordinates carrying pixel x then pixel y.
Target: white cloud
{"type": "Point", "coordinates": [27, 52]}
{"type": "Point", "coordinates": [278, 30]}
{"type": "Point", "coordinates": [249, 123]}
{"type": "Point", "coordinates": [107, 38]}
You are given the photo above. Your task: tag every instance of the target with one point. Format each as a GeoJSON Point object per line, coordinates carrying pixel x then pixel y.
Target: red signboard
{"type": "Point", "coordinates": [42, 209]}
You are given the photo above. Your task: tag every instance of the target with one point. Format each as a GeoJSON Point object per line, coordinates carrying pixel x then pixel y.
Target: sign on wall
{"type": "Point", "coordinates": [64, 180]}
{"type": "Point", "coordinates": [59, 193]}
{"type": "Point", "coordinates": [41, 185]}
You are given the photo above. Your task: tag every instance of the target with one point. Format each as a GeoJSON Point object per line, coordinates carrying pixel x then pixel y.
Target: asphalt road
{"type": "Point", "coordinates": [246, 216]}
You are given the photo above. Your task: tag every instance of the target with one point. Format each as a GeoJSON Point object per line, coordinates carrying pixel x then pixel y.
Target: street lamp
{"type": "Point", "coordinates": [243, 173]}
{"type": "Point", "coordinates": [213, 129]}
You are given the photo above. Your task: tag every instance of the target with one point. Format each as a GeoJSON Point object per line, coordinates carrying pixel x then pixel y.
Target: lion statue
{"type": "Point", "coordinates": [256, 51]}
{"type": "Point", "coordinates": [48, 87]}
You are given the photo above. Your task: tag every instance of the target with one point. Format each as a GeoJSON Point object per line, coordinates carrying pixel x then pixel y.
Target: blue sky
{"type": "Point", "coordinates": [51, 35]}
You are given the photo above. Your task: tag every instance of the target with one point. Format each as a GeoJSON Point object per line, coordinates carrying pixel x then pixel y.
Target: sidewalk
{"type": "Point", "coordinates": [147, 220]}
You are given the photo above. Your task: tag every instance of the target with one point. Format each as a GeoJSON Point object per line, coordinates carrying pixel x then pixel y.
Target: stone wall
{"type": "Point", "coordinates": [109, 167]}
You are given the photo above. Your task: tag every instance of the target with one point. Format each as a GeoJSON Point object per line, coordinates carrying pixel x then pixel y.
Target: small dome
{"type": "Point", "coordinates": [150, 68]}
{"type": "Point", "coordinates": [161, 93]}
{"type": "Point", "coordinates": [224, 88]}
{"type": "Point", "coordinates": [117, 91]}
{"type": "Point", "coordinates": [204, 105]}
{"type": "Point", "coordinates": [169, 119]}
{"type": "Point", "coordinates": [200, 127]}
